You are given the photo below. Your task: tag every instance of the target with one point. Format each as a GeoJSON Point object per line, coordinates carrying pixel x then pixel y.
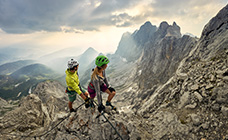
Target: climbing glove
{"type": "Point", "coordinates": [87, 102]}
{"type": "Point", "coordinates": [101, 107]}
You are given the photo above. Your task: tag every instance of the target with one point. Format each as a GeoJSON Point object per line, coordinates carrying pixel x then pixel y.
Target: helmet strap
{"type": "Point", "coordinates": [99, 67]}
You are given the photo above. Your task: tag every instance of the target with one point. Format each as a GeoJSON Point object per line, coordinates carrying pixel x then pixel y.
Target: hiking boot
{"type": "Point", "coordinates": [101, 108]}
{"type": "Point", "coordinates": [72, 110]}
{"type": "Point", "coordinates": [87, 105]}
{"type": "Point", "coordinates": [109, 104]}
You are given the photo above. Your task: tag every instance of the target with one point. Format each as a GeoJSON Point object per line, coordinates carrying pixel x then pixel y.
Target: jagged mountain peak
{"type": "Point", "coordinates": [165, 30]}
{"type": "Point", "coordinates": [147, 29]}
{"type": "Point", "coordinates": [174, 23]}
{"type": "Point", "coordinates": [132, 45]}
{"type": "Point", "coordinates": [145, 33]}
{"type": "Point", "coordinates": [146, 25]}
{"type": "Point", "coordinates": [163, 25]}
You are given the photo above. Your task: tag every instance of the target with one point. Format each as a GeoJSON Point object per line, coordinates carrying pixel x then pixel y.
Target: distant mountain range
{"type": "Point", "coordinates": [19, 77]}
{"type": "Point", "coordinates": [33, 70]}
{"type": "Point", "coordinates": [9, 68]}
{"type": "Point", "coordinates": [15, 53]}
{"type": "Point", "coordinates": [21, 82]}
{"type": "Point", "coordinates": [59, 64]}
{"type": "Point", "coordinates": [72, 51]}
{"type": "Point", "coordinates": [3, 58]}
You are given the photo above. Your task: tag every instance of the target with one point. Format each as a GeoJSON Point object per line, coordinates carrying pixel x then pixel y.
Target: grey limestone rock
{"type": "Point", "coordinates": [224, 110]}
{"type": "Point", "coordinates": [184, 99]}
{"type": "Point", "coordinates": [196, 119]}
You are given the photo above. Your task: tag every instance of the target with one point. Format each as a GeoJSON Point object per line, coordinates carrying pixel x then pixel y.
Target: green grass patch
{"type": "Point", "coordinates": [8, 88]}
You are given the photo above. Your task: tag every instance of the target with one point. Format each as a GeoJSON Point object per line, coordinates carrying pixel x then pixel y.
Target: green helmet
{"type": "Point", "coordinates": [101, 60]}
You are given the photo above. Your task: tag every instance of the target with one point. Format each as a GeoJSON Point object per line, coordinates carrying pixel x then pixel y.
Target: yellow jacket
{"type": "Point", "coordinates": [72, 81]}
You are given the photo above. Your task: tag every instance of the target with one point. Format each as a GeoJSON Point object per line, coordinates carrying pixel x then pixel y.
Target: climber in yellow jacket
{"type": "Point", "coordinates": [73, 85]}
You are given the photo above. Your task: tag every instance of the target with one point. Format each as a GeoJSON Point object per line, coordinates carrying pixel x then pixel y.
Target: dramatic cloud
{"type": "Point", "coordinates": [27, 16]}
{"type": "Point", "coordinates": [50, 15]}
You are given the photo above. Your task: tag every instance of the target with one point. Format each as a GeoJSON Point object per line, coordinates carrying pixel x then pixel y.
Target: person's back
{"type": "Point", "coordinates": [72, 81]}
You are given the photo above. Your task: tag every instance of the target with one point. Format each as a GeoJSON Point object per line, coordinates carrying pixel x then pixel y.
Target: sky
{"type": "Point", "coordinates": [53, 25]}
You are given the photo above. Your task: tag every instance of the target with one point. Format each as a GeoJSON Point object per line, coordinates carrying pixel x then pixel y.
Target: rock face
{"type": "Point", "coordinates": [201, 110]}
{"type": "Point", "coordinates": [195, 97]}
{"type": "Point", "coordinates": [214, 36]}
{"type": "Point", "coordinates": [6, 106]}
{"type": "Point", "coordinates": [131, 46]}
{"type": "Point", "coordinates": [147, 65]}
{"type": "Point", "coordinates": [35, 112]}
{"type": "Point", "coordinates": [147, 58]}
{"type": "Point", "coordinates": [156, 52]}
{"type": "Point", "coordinates": [161, 59]}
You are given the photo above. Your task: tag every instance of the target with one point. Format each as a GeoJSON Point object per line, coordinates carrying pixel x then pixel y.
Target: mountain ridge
{"type": "Point", "coordinates": [59, 64]}
{"type": "Point", "coordinates": [33, 70]}
{"type": "Point", "coordinates": [8, 68]}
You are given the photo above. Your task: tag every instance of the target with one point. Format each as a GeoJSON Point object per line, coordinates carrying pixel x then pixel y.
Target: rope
{"type": "Point", "coordinates": [108, 122]}
{"type": "Point", "coordinates": [47, 131]}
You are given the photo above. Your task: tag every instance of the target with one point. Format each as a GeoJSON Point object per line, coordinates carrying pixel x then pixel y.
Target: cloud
{"type": "Point", "coordinates": [50, 15]}
{"type": "Point", "coordinates": [109, 6]}
{"type": "Point", "coordinates": [183, 8]}
{"type": "Point", "coordinates": [28, 16]}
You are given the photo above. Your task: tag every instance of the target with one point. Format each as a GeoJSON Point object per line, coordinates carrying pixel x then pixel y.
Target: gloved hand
{"type": "Point", "coordinates": [101, 107]}
{"type": "Point", "coordinates": [87, 102]}
{"type": "Point", "coordinates": [111, 89]}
